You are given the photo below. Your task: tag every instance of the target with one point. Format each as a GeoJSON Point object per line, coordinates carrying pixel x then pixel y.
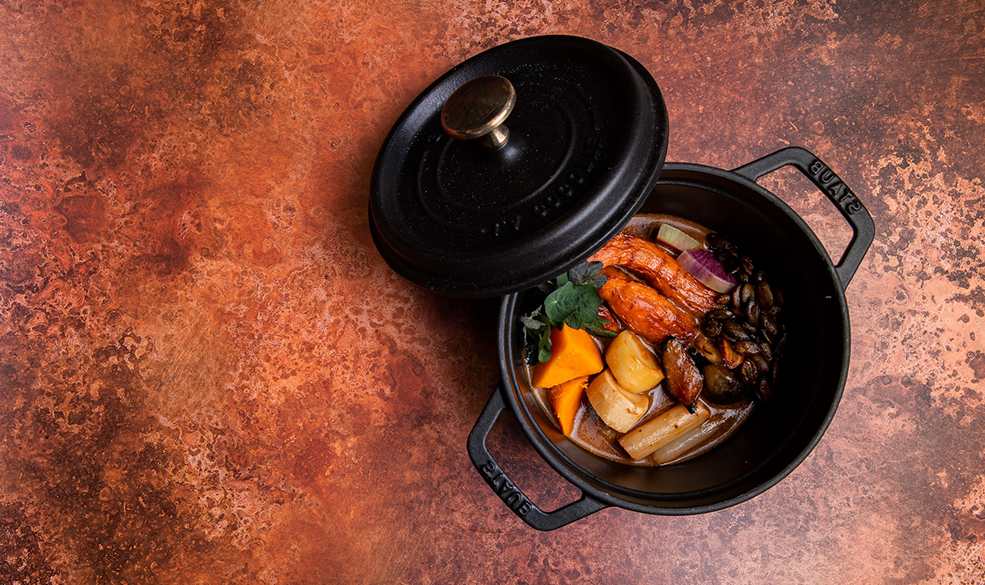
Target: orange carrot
{"type": "Point", "coordinates": [574, 353]}
{"type": "Point", "coordinates": [644, 310]}
{"type": "Point", "coordinates": [565, 399]}
{"type": "Point", "coordinates": [661, 270]}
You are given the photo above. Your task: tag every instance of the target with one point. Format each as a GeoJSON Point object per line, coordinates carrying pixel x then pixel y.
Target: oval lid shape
{"type": "Point", "coordinates": [587, 137]}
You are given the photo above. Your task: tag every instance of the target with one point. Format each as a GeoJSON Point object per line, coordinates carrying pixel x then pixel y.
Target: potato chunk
{"type": "Point", "coordinates": [632, 363]}
{"type": "Point", "coordinates": [616, 407]}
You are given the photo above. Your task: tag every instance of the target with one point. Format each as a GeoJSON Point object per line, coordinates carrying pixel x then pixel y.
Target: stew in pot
{"type": "Point", "coordinates": [660, 347]}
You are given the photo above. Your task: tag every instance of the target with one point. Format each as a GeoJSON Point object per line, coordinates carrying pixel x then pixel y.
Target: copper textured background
{"type": "Point", "coordinates": [208, 375]}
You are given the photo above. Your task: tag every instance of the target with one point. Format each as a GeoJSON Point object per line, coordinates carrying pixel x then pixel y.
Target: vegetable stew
{"type": "Point", "coordinates": [684, 346]}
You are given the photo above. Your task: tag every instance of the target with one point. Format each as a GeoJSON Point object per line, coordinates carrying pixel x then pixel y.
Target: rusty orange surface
{"type": "Point", "coordinates": [209, 375]}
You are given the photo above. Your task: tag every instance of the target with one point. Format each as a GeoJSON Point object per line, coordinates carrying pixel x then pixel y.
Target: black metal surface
{"type": "Point", "coordinates": [510, 493]}
{"type": "Point", "coordinates": [844, 199]}
{"type": "Point", "coordinates": [781, 433]}
{"type": "Point", "coordinates": [588, 136]}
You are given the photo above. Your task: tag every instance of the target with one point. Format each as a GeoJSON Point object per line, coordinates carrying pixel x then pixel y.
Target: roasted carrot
{"type": "Point", "coordinates": [644, 310]}
{"type": "Point", "coordinates": [660, 269]}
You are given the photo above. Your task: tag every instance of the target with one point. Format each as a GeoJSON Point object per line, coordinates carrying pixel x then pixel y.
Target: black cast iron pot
{"type": "Point", "coordinates": [781, 433]}
{"type": "Point", "coordinates": [584, 152]}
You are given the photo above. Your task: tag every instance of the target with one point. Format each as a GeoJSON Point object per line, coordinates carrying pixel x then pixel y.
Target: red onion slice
{"type": "Point", "coordinates": [703, 265]}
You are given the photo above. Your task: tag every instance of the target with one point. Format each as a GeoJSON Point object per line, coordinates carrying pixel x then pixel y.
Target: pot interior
{"type": "Point", "coordinates": [813, 368]}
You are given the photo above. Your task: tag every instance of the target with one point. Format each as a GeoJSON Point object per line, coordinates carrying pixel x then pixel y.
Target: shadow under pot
{"type": "Point", "coordinates": [780, 433]}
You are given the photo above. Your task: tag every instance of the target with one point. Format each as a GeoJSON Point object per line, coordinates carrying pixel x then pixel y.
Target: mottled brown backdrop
{"type": "Point", "coordinates": [208, 375]}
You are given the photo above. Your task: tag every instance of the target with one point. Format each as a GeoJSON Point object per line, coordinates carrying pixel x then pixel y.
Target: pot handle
{"type": "Point", "coordinates": [837, 192]}
{"type": "Point", "coordinates": [507, 491]}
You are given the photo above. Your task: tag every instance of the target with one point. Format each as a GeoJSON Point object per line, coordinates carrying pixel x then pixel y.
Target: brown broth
{"type": "Point", "coordinates": [593, 435]}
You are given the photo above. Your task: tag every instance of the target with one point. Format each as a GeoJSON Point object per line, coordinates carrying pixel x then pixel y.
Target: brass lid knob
{"type": "Point", "coordinates": [478, 109]}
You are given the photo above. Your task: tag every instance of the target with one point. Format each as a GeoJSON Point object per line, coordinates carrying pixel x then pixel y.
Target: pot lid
{"type": "Point", "coordinates": [466, 204]}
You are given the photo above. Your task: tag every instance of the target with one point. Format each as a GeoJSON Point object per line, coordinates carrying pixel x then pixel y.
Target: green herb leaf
{"type": "Point", "coordinates": [561, 303]}
{"type": "Point", "coordinates": [597, 281]}
{"type": "Point", "coordinates": [589, 302]}
{"type": "Point", "coordinates": [544, 348]}
{"type": "Point", "coordinates": [601, 332]}
{"type": "Point", "coordinates": [573, 301]}
{"type": "Point", "coordinates": [582, 273]}
{"type": "Point", "coordinates": [597, 328]}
